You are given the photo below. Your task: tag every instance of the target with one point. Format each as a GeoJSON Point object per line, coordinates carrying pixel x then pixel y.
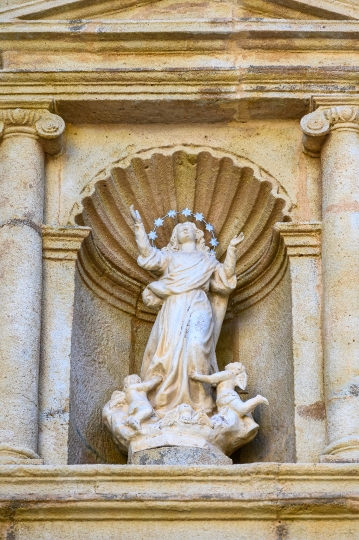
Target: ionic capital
{"type": "Point", "coordinates": [318, 124]}
{"type": "Point", "coordinates": [41, 123]}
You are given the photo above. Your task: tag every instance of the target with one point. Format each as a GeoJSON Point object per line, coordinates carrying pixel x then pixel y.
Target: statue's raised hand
{"type": "Point", "coordinates": [237, 240]}
{"type": "Point", "coordinates": [135, 215]}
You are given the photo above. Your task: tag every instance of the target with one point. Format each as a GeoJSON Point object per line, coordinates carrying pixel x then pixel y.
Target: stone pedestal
{"type": "Point", "coordinates": [340, 170]}
{"type": "Point", "coordinates": [21, 211]}
{"type": "Point", "coordinates": [179, 455]}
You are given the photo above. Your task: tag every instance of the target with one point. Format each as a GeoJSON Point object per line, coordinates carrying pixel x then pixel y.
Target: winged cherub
{"type": "Point", "coordinates": [226, 381]}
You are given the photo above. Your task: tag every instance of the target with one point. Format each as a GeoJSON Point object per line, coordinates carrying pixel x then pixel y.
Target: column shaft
{"type": "Point", "coordinates": [21, 186]}
{"type": "Point", "coordinates": [333, 133]}
{"type": "Point", "coordinates": [340, 162]}
{"type": "Point", "coordinates": [27, 134]}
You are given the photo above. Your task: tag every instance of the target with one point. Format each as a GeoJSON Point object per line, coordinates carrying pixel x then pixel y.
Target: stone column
{"type": "Point", "coordinates": [334, 132]}
{"type": "Point", "coordinates": [303, 243]}
{"type": "Point", "coordinates": [26, 135]}
{"type": "Point", "coordinates": [60, 247]}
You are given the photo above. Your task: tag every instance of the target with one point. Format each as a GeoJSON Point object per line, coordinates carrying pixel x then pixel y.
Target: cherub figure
{"type": "Point", "coordinates": [136, 390]}
{"type": "Point", "coordinates": [226, 381]}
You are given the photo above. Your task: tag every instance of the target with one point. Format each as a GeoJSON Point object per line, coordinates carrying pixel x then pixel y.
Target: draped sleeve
{"type": "Point", "coordinates": [155, 262]}
{"type": "Point", "coordinates": [220, 284]}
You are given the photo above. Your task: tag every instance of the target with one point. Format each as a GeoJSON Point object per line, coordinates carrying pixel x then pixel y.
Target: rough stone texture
{"type": "Point", "coordinates": [179, 455]}
{"type": "Point", "coordinates": [262, 337]}
{"type": "Point", "coordinates": [101, 344]}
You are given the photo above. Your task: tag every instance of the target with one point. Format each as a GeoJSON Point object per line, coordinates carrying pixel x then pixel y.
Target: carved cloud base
{"type": "Point", "coordinates": [182, 428]}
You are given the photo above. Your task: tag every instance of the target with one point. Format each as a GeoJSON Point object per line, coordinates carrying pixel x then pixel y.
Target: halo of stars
{"type": "Point", "coordinates": [186, 212]}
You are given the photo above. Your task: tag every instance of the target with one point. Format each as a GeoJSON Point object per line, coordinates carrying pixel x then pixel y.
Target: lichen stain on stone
{"type": "Point", "coordinates": [354, 390]}
{"type": "Point", "coordinates": [281, 532]}
{"type": "Point", "coordinates": [315, 411]}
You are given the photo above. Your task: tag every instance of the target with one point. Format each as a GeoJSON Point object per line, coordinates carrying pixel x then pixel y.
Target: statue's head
{"type": "Point", "coordinates": [186, 232]}
{"type": "Point", "coordinates": [131, 379]}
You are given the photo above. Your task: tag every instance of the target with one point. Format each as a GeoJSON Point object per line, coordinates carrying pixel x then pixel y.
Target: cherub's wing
{"type": "Point", "coordinates": [241, 380]}
{"type": "Point", "coordinates": [170, 419]}
{"type": "Point", "coordinates": [118, 398]}
{"type": "Point", "coordinates": [202, 419]}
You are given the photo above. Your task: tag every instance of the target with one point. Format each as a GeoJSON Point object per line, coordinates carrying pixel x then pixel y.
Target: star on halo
{"type": "Point", "coordinates": [214, 242]}
{"type": "Point", "coordinates": [199, 216]}
{"type": "Point", "coordinates": [152, 235]}
{"type": "Point", "coordinates": [159, 222]}
{"type": "Point", "coordinates": [172, 213]}
{"type": "Point", "coordinates": [186, 212]}
{"type": "Point", "coordinates": [209, 227]}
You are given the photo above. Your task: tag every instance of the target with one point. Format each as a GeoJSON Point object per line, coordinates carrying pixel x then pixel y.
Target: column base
{"type": "Point", "coordinates": [343, 451]}
{"type": "Point", "coordinates": [16, 455]}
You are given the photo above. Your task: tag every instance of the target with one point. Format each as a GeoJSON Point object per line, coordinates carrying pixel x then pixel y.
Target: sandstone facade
{"type": "Point", "coordinates": [248, 112]}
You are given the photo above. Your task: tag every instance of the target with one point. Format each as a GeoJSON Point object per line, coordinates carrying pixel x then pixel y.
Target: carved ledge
{"type": "Point", "coordinates": [48, 127]}
{"type": "Point", "coordinates": [301, 239]}
{"type": "Point", "coordinates": [318, 124]}
{"type": "Point", "coordinates": [62, 243]}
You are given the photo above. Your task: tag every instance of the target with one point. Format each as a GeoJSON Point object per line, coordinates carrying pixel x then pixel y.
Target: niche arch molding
{"type": "Point", "coordinates": [233, 193]}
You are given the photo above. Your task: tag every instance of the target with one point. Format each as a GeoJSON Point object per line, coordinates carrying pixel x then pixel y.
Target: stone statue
{"type": "Point", "coordinates": [179, 368]}
{"type": "Point", "coordinates": [226, 381]}
{"type": "Point", "coordinates": [140, 408]}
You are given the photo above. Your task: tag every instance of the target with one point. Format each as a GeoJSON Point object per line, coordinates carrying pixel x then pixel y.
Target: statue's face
{"type": "Point", "coordinates": [186, 233]}
{"type": "Point", "coordinates": [133, 379]}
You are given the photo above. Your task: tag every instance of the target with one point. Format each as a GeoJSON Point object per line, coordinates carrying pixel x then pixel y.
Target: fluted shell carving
{"type": "Point", "coordinates": [233, 194]}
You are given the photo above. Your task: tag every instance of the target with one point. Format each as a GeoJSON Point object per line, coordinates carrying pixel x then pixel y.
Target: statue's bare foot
{"type": "Point", "coordinates": [262, 400]}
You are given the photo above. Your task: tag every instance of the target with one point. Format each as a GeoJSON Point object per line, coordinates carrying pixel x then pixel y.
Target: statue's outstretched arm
{"type": "Point", "coordinates": [149, 385]}
{"type": "Point", "coordinates": [213, 379]}
{"type": "Point", "coordinates": [142, 241]}
{"type": "Point", "coordinates": [229, 264]}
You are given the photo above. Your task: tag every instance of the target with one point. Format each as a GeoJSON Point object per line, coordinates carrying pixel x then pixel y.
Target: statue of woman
{"type": "Point", "coordinates": [192, 291]}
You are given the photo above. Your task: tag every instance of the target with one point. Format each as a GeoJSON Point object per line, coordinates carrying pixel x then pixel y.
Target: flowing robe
{"type": "Point", "coordinates": [183, 337]}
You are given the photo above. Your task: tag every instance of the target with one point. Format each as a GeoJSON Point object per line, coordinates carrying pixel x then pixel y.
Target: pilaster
{"type": "Point", "coordinates": [303, 245]}
{"type": "Point", "coordinates": [60, 247]}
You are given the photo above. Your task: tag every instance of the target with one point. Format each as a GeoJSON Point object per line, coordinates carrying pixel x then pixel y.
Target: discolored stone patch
{"type": "Point", "coordinates": [316, 410]}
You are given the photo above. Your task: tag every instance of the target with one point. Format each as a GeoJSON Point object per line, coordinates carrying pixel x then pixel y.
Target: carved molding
{"type": "Point", "coordinates": [62, 243]}
{"type": "Point", "coordinates": [318, 124]}
{"type": "Point", "coordinates": [301, 239]}
{"type": "Point", "coordinates": [231, 192]}
{"type": "Point", "coordinates": [42, 123]}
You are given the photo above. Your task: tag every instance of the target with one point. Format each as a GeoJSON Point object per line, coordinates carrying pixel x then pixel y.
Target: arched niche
{"type": "Point", "coordinates": [234, 195]}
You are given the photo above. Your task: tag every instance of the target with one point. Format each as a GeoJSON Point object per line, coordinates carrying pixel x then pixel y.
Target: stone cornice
{"type": "Point", "coordinates": [121, 492]}
{"type": "Point", "coordinates": [301, 239]}
{"type": "Point", "coordinates": [62, 243]}
{"type": "Point", "coordinates": [318, 124]}
{"type": "Point", "coordinates": [195, 28]}
{"type": "Point", "coordinates": [80, 9]}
